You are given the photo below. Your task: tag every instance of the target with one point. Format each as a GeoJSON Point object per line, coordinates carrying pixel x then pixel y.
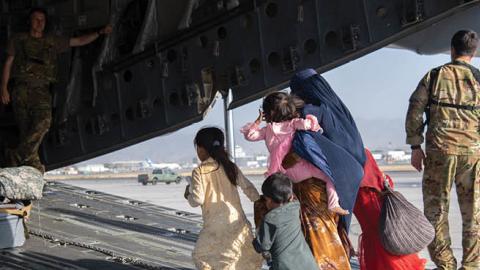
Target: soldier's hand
{"type": "Point", "coordinates": [418, 159]}
{"type": "Point", "coordinates": [5, 97]}
{"type": "Point", "coordinates": [106, 30]}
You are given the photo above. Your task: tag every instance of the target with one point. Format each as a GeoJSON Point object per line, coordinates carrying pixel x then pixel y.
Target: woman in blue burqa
{"type": "Point", "coordinates": [339, 153]}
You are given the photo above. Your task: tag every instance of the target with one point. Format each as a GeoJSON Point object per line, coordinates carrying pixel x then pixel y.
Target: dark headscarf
{"type": "Point", "coordinates": [339, 151]}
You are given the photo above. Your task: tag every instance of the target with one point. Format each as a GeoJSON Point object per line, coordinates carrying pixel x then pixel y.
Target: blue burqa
{"type": "Point", "coordinates": [339, 151]}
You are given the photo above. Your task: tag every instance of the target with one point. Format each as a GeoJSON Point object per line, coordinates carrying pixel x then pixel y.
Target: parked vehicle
{"type": "Point", "coordinates": [164, 175]}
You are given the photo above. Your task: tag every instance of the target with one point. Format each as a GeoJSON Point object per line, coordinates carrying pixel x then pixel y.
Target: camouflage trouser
{"type": "Point", "coordinates": [441, 171]}
{"type": "Point", "coordinates": [33, 115]}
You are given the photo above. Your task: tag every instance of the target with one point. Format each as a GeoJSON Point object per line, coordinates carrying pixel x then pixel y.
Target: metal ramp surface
{"type": "Point", "coordinates": [75, 228]}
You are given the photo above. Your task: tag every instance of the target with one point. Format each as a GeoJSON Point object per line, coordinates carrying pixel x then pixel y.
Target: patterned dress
{"type": "Point", "coordinates": [320, 226]}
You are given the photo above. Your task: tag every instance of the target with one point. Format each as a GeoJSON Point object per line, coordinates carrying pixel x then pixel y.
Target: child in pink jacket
{"type": "Point", "coordinates": [282, 122]}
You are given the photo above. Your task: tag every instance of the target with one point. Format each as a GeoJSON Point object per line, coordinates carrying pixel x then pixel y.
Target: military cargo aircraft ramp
{"type": "Point", "coordinates": [160, 70]}
{"type": "Point", "coordinates": [76, 228]}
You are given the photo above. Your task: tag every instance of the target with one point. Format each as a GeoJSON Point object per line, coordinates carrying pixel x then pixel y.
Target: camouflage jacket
{"type": "Point", "coordinates": [21, 183]}
{"type": "Point", "coordinates": [35, 58]}
{"type": "Point", "coordinates": [450, 130]}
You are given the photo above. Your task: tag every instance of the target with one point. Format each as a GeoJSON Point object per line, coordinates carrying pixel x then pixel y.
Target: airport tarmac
{"type": "Point", "coordinates": [408, 183]}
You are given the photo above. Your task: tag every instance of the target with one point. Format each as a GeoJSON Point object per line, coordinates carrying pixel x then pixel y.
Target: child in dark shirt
{"type": "Point", "coordinates": [280, 231]}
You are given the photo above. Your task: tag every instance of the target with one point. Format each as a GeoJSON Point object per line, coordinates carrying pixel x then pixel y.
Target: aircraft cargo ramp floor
{"type": "Point", "coordinates": [75, 228]}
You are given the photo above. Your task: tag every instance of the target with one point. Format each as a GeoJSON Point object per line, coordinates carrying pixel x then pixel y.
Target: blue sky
{"type": "Point", "coordinates": [376, 89]}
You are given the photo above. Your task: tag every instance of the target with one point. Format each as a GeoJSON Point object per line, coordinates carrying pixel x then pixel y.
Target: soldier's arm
{"type": "Point", "coordinates": [89, 38]}
{"type": "Point", "coordinates": [6, 71]}
{"type": "Point", "coordinates": [414, 122]}
{"type": "Point", "coordinates": [4, 95]}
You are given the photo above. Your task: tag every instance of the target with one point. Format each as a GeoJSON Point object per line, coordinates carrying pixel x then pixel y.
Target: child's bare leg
{"type": "Point", "coordinates": [333, 204]}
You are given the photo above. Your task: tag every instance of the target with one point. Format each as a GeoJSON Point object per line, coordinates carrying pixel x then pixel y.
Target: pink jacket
{"type": "Point", "coordinates": [278, 138]}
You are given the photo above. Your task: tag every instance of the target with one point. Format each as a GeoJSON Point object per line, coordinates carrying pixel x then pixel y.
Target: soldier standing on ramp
{"type": "Point", "coordinates": [450, 97]}
{"type": "Point", "coordinates": [32, 64]}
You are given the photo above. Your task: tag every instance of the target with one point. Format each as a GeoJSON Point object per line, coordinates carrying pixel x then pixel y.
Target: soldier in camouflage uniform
{"type": "Point", "coordinates": [450, 96]}
{"type": "Point", "coordinates": [32, 64]}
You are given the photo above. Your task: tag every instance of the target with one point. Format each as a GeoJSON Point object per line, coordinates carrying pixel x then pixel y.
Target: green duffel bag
{"type": "Point", "coordinates": [404, 229]}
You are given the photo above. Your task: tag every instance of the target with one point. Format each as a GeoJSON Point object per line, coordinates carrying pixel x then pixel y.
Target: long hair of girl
{"type": "Point", "coordinates": [212, 140]}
